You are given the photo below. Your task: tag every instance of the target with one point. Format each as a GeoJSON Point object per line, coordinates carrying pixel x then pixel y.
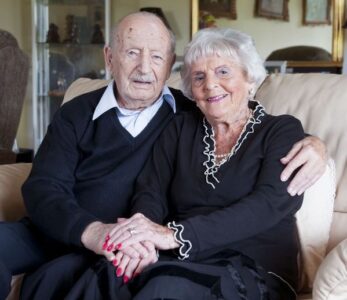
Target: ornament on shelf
{"type": "Point", "coordinates": [52, 34]}
{"type": "Point", "coordinates": [98, 36]}
{"type": "Point", "coordinates": [71, 30]}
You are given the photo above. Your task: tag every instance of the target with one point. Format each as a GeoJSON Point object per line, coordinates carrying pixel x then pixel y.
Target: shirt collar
{"type": "Point", "coordinates": [108, 100]}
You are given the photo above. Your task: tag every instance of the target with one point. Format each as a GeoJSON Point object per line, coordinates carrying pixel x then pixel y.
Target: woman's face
{"type": "Point", "coordinates": [220, 88]}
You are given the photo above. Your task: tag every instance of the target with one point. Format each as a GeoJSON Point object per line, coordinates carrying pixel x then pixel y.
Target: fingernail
{"type": "Point", "coordinates": [284, 178]}
{"type": "Point", "coordinates": [115, 262]}
{"type": "Point", "coordinates": [125, 279]}
{"type": "Point", "coordinates": [119, 272]}
{"type": "Point", "coordinates": [107, 238]}
{"type": "Point", "coordinates": [119, 246]}
{"type": "Point", "coordinates": [109, 248]}
{"type": "Point", "coordinates": [104, 246]}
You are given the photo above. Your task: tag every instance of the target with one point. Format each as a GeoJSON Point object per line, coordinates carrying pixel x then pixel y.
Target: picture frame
{"type": "Point", "coordinates": [316, 12]}
{"type": "Point", "coordinates": [219, 8]}
{"type": "Point", "coordinates": [271, 9]}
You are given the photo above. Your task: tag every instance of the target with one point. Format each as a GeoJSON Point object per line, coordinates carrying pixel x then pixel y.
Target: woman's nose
{"type": "Point", "coordinates": [210, 82]}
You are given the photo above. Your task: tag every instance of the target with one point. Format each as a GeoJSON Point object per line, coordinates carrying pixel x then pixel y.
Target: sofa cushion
{"type": "Point", "coordinates": [11, 179]}
{"type": "Point", "coordinates": [314, 221]}
{"type": "Point", "coordinates": [331, 279]}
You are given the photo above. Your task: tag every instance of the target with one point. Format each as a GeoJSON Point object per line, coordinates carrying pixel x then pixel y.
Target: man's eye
{"type": "Point", "coordinates": [132, 53]}
{"type": "Point", "coordinates": [157, 57]}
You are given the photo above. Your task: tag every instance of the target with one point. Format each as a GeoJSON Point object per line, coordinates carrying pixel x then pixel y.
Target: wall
{"type": "Point", "coordinates": [177, 13]}
{"type": "Point", "coordinates": [276, 34]}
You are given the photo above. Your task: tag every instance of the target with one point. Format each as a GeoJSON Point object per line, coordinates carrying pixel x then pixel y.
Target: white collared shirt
{"type": "Point", "coordinates": [134, 121]}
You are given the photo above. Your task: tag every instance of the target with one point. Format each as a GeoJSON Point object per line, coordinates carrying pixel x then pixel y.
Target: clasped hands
{"type": "Point", "coordinates": [130, 244]}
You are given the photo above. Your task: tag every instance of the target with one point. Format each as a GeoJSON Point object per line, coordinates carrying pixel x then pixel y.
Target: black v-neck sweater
{"type": "Point", "coordinates": [85, 170]}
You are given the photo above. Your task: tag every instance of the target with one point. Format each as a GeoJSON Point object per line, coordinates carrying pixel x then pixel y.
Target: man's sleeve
{"type": "Point", "coordinates": [49, 191]}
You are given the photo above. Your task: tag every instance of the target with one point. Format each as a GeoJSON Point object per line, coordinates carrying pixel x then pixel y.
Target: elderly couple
{"type": "Point", "coordinates": [139, 193]}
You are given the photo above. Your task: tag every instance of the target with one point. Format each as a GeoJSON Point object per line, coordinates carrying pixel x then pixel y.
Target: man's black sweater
{"type": "Point", "coordinates": [85, 170]}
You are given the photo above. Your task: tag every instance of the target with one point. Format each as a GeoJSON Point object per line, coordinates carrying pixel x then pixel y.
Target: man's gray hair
{"type": "Point", "coordinates": [226, 43]}
{"type": "Point", "coordinates": [113, 34]}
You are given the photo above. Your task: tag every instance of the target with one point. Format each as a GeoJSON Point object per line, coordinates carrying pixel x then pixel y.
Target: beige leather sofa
{"type": "Point", "coordinates": [320, 102]}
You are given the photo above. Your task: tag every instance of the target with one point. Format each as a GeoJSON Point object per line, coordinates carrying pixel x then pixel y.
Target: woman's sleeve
{"type": "Point", "coordinates": [257, 212]}
{"type": "Point", "coordinates": [150, 197]}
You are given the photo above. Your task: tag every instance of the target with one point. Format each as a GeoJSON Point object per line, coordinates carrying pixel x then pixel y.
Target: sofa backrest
{"type": "Point", "coordinates": [319, 101]}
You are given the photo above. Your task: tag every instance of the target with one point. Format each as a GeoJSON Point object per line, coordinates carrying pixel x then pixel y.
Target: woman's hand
{"type": "Point", "coordinates": [311, 155]}
{"type": "Point", "coordinates": [131, 267]}
{"type": "Point", "coordinates": [138, 229]}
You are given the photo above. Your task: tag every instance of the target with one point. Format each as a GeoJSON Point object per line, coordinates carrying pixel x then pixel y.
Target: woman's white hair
{"type": "Point", "coordinates": [226, 43]}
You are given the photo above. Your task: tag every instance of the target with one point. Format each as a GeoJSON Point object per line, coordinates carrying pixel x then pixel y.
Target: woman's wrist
{"type": "Point", "coordinates": [184, 246]}
{"type": "Point", "coordinates": [170, 234]}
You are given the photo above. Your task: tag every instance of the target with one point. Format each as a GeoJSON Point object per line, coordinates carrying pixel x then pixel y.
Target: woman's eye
{"type": "Point", "coordinates": [223, 72]}
{"type": "Point", "coordinates": [198, 79]}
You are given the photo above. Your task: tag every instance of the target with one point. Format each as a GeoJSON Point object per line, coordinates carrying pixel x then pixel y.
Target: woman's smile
{"type": "Point", "coordinates": [218, 98]}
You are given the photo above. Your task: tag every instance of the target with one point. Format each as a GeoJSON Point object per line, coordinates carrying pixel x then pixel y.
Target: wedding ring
{"type": "Point", "coordinates": [132, 231]}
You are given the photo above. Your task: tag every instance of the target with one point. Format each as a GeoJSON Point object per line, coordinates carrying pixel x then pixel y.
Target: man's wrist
{"type": "Point", "coordinates": [90, 231]}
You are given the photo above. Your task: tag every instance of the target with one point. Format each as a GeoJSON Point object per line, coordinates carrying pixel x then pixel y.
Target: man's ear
{"type": "Point", "coordinates": [108, 57]}
{"type": "Point", "coordinates": [171, 65]}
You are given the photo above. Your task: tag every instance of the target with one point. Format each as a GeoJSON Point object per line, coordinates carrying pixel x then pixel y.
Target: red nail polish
{"type": "Point", "coordinates": [125, 279]}
{"type": "Point", "coordinates": [104, 246]}
{"type": "Point", "coordinates": [119, 246]}
{"type": "Point", "coordinates": [119, 272]}
{"type": "Point", "coordinates": [107, 238]}
{"type": "Point", "coordinates": [115, 262]}
{"type": "Point", "coordinates": [109, 248]}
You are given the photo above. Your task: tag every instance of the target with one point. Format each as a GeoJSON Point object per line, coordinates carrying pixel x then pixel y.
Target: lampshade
{"type": "Point", "coordinates": [159, 12]}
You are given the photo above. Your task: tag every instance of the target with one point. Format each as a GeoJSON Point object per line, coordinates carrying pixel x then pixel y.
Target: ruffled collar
{"type": "Point", "coordinates": [211, 165]}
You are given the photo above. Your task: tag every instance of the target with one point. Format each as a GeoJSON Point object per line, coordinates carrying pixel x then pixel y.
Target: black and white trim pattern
{"type": "Point", "coordinates": [185, 245]}
{"type": "Point", "coordinates": [211, 165]}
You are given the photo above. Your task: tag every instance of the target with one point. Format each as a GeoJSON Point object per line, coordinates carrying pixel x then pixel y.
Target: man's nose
{"type": "Point", "coordinates": [145, 63]}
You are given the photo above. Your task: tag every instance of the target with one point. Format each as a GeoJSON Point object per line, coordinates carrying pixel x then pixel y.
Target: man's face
{"type": "Point", "coordinates": [140, 61]}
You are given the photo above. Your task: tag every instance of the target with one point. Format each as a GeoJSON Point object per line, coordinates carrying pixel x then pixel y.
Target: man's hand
{"type": "Point", "coordinates": [94, 236]}
{"type": "Point", "coordinates": [97, 239]}
{"type": "Point", "coordinates": [311, 155]}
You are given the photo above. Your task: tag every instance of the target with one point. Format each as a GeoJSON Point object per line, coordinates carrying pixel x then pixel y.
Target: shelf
{"type": "Point", "coordinates": [57, 65]}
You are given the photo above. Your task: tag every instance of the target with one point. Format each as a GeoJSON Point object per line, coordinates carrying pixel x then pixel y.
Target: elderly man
{"type": "Point", "coordinates": [84, 172]}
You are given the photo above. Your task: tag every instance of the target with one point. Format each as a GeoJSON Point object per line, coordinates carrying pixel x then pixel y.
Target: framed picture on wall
{"type": "Point", "coordinates": [316, 12]}
{"type": "Point", "coordinates": [219, 8]}
{"type": "Point", "coordinates": [272, 9]}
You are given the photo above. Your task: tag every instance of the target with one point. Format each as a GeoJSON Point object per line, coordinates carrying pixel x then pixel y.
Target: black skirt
{"type": "Point", "coordinates": [228, 275]}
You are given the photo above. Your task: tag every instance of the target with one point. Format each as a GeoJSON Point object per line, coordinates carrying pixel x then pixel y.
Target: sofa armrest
{"type": "Point", "coordinates": [331, 280]}
{"type": "Point", "coordinates": [12, 177]}
{"type": "Point", "coordinates": [7, 156]}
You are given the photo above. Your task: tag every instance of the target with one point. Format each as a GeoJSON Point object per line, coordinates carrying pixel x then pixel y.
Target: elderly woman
{"type": "Point", "coordinates": [214, 179]}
